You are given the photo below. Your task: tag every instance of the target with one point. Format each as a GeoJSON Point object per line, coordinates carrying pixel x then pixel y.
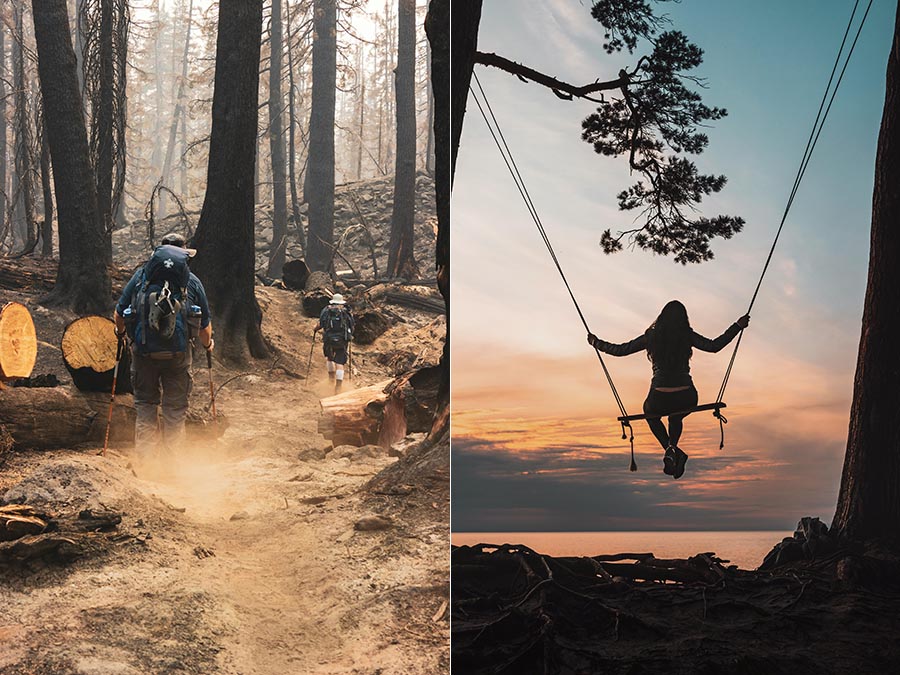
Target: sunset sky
{"type": "Point", "coordinates": [535, 443]}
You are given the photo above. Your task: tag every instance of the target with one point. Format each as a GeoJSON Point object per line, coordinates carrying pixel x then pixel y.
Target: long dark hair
{"type": "Point", "coordinates": [669, 337]}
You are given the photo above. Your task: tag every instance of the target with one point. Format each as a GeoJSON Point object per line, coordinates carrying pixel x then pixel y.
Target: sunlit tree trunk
{"type": "Point", "coordinates": [319, 184]}
{"type": "Point", "coordinates": [869, 499]}
{"type": "Point", "coordinates": [82, 281]}
{"type": "Point", "coordinates": [401, 262]}
{"type": "Point", "coordinates": [224, 239]}
{"type": "Point", "coordinates": [276, 146]}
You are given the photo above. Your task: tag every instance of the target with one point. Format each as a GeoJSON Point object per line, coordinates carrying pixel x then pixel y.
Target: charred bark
{"type": "Point", "coordinates": [319, 184]}
{"type": "Point", "coordinates": [437, 26]}
{"type": "Point", "coordinates": [869, 500]}
{"type": "Point", "coordinates": [224, 237]}
{"type": "Point", "coordinates": [47, 224]}
{"type": "Point", "coordinates": [23, 158]}
{"type": "Point", "coordinates": [400, 252]}
{"type": "Point", "coordinates": [81, 283]}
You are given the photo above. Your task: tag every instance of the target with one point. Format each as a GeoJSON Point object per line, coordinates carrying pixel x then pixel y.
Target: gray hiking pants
{"type": "Point", "coordinates": [174, 377]}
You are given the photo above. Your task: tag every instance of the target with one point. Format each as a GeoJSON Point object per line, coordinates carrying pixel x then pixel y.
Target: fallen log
{"type": "Point", "coordinates": [370, 325]}
{"type": "Point", "coordinates": [294, 274]}
{"type": "Point", "coordinates": [414, 301]}
{"type": "Point", "coordinates": [44, 418]}
{"type": "Point", "coordinates": [18, 342]}
{"type": "Point", "coordinates": [317, 294]}
{"type": "Point", "coordinates": [89, 354]}
{"type": "Point", "coordinates": [19, 520]}
{"type": "Point", "coordinates": [354, 417]}
{"type": "Point", "coordinates": [412, 403]}
{"type": "Point", "coordinates": [39, 274]}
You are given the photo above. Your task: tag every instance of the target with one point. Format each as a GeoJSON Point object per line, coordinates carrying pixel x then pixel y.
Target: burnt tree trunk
{"type": "Point", "coordinates": [47, 225]}
{"type": "Point", "coordinates": [869, 499]}
{"type": "Point", "coordinates": [319, 185]}
{"type": "Point", "coordinates": [177, 116]}
{"type": "Point", "coordinates": [82, 280]}
{"type": "Point", "coordinates": [4, 202]}
{"type": "Point", "coordinates": [437, 26]}
{"type": "Point", "coordinates": [292, 147]}
{"type": "Point", "coordinates": [103, 118]}
{"type": "Point", "coordinates": [400, 252]}
{"type": "Point", "coordinates": [224, 237]}
{"type": "Point", "coordinates": [23, 135]}
{"type": "Point", "coordinates": [276, 147]}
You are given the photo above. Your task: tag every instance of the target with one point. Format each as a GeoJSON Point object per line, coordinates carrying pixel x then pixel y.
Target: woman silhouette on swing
{"type": "Point", "coordinates": [668, 342]}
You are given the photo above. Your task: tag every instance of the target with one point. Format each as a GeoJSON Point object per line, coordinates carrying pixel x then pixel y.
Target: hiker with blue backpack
{"type": "Point", "coordinates": [162, 310]}
{"type": "Point", "coordinates": [336, 323]}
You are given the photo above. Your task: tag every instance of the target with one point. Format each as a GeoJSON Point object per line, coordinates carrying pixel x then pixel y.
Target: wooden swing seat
{"type": "Point", "coordinates": [699, 408]}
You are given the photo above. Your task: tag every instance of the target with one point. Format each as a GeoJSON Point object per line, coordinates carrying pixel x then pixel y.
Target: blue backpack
{"type": "Point", "coordinates": [160, 302]}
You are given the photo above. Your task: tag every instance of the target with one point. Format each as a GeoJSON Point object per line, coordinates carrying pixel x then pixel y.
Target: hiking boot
{"type": "Point", "coordinates": [669, 461]}
{"type": "Point", "coordinates": [681, 459]}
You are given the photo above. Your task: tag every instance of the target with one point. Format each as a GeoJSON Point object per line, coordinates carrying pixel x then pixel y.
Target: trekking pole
{"type": "Point", "coordinates": [120, 349]}
{"type": "Point", "coordinates": [309, 363]}
{"type": "Point", "coordinates": [350, 360]}
{"type": "Point", "coordinates": [212, 391]}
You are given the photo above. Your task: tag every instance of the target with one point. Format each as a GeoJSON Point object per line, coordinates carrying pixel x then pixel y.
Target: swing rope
{"type": "Point", "coordinates": [811, 142]}
{"type": "Point", "coordinates": [500, 141]}
{"type": "Point", "coordinates": [493, 126]}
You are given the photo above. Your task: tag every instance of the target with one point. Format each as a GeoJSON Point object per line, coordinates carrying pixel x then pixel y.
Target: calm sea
{"type": "Point", "coordinates": [744, 549]}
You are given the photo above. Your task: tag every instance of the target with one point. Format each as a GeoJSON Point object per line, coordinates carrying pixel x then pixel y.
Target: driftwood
{"type": "Point", "coordinates": [89, 353]}
{"type": "Point", "coordinates": [354, 417]}
{"type": "Point", "coordinates": [43, 418]}
{"type": "Point", "coordinates": [18, 342]}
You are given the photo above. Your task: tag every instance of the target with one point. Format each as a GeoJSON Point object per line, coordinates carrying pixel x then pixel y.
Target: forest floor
{"type": "Point", "coordinates": [239, 555]}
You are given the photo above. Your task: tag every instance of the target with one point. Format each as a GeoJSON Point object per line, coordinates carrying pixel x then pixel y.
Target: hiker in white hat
{"type": "Point", "coordinates": [336, 323]}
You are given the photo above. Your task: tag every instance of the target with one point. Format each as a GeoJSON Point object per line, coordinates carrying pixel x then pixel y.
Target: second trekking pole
{"type": "Point", "coordinates": [212, 391]}
{"type": "Point", "coordinates": [120, 350]}
{"type": "Point", "coordinates": [309, 363]}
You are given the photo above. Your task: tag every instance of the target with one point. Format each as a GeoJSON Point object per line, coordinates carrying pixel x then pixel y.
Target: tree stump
{"type": "Point", "coordinates": [45, 418]}
{"type": "Point", "coordinates": [412, 404]}
{"type": "Point", "coordinates": [370, 325]}
{"type": "Point", "coordinates": [354, 417]}
{"type": "Point", "coordinates": [18, 342]}
{"type": "Point", "coordinates": [294, 275]}
{"type": "Point", "coordinates": [317, 294]}
{"type": "Point", "coordinates": [89, 353]}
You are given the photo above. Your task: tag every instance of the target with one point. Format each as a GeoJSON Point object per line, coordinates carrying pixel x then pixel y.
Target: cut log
{"type": "Point", "coordinates": [44, 418]}
{"type": "Point", "coordinates": [317, 295]}
{"type": "Point", "coordinates": [354, 417]}
{"type": "Point", "coordinates": [18, 342]}
{"type": "Point", "coordinates": [370, 325]}
{"type": "Point", "coordinates": [89, 353]}
{"type": "Point", "coordinates": [294, 275]}
{"type": "Point", "coordinates": [412, 404]}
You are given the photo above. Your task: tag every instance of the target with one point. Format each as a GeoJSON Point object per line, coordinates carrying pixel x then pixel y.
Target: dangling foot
{"type": "Point", "coordinates": [669, 461]}
{"type": "Point", "coordinates": [681, 459]}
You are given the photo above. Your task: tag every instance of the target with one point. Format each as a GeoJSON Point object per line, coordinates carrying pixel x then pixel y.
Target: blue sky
{"type": "Point", "coordinates": [535, 443]}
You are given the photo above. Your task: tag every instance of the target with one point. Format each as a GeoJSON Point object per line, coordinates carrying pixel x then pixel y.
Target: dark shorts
{"type": "Point", "coordinates": [663, 403]}
{"type": "Point", "coordinates": [336, 352]}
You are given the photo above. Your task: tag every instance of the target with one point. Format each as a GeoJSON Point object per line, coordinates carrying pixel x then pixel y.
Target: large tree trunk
{"type": "Point", "coordinates": [869, 500]}
{"type": "Point", "coordinates": [276, 147]}
{"type": "Point", "coordinates": [437, 26]}
{"type": "Point", "coordinates": [224, 238]}
{"type": "Point", "coordinates": [292, 147]}
{"type": "Point", "coordinates": [82, 281]}
{"type": "Point", "coordinates": [400, 252]}
{"type": "Point", "coordinates": [319, 185]}
{"type": "Point", "coordinates": [102, 115]}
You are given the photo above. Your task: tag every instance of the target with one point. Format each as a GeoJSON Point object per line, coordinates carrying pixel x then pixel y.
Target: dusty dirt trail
{"type": "Point", "coordinates": [238, 556]}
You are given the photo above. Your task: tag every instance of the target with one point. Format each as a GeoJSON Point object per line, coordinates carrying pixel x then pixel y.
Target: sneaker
{"type": "Point", "coordinates": [669, 461]}
{"type": "Point", "coordinates": [681, 459]}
